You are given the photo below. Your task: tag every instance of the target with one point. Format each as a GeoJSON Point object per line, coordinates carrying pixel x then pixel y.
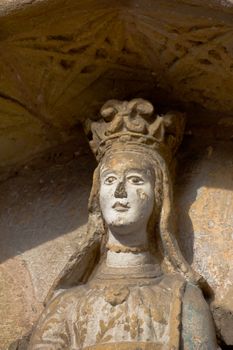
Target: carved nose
{"type": "Point", "coordinates": [120, 191]}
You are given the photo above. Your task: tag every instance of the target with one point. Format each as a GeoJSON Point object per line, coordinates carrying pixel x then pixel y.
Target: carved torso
{"type": "Point", "coordinates": [110, 310]}
{"type": "Point", "coordinates": [115, 312]}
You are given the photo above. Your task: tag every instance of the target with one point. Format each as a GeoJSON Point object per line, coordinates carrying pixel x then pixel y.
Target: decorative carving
{"type": "Point", "coordinates": [138, 297]}
{"type": "Point", "coordinates": [136, 122]}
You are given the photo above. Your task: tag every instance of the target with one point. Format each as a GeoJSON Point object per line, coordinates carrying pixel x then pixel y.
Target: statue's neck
{"type": "Point", "coordinates": [128, 250]}
{"type": "Point", "coordinates": [128, 259]}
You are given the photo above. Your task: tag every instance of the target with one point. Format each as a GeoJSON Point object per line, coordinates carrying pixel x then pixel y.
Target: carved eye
{"type": "Point", "coordinates": [110, 180]}
{"type": "Point", "coordinates": [135, 180]}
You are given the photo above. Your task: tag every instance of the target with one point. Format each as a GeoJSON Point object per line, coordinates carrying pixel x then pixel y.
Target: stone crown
{"type": "Point", "coordinates": [123, 124]}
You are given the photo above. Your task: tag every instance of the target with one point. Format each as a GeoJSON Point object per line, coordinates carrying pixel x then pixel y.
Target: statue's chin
{"type": "Point", "coordinates": [124, 223]}
{"type": "Point", "coordinates": [122, 227]}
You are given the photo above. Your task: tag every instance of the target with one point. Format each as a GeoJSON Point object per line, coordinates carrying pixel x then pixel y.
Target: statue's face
{"type": "Point", "coordinates": [126, 191]}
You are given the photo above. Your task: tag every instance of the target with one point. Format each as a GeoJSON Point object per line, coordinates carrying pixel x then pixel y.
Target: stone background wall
{"type": "Point", "coordinates": [204, 204]}
{"type": "Point", "coordinates": [43, 212]}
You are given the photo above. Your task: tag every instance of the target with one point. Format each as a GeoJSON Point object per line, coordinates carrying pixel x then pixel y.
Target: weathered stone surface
{"type": "Point", "coordinates": [18, 305]}
{"type": "Point", "coordinates": [205, 202]}
{"type": "Point", "coordinates": [43, 216]}
{"type": "Point", "coordinates": [55, 56]}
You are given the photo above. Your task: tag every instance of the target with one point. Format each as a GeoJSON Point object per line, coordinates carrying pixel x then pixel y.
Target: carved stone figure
{"type": "Point", "coordinates": [141, 294]}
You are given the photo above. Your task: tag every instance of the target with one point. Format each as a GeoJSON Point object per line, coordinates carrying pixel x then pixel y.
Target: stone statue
{"type": "Point", "coordinates": [141, 294]}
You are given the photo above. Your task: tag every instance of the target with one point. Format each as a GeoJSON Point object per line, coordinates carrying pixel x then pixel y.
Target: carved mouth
{"type": "Point", "coordinates": [121, 206]}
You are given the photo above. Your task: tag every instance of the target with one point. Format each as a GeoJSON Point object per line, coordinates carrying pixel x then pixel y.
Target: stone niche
{"type": "Point", "coordinates": [59, 61]}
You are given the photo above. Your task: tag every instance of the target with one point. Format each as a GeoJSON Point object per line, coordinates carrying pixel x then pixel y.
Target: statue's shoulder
{"type": "Point", "coordinates": [194, 296]}
{"type": "Point", "coordinates": [54, 317]}
{"type": "Point", "coordinates": [190, 306]}
{"type": "Point", "coordinates": [197, 323]}
{"type": "Point", "coordinates": [62, 299]}
{"type": "Point", "coordinates": [173, 281]}
{"type": "Point", "coordinates": [190, 293]}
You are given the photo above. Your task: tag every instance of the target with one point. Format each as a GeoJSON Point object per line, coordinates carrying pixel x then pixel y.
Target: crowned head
{"type": "Point", "coordinates": [129, 135]}
{"type": "Point", "coordinates": [134, 125]}
{"type": "Point", "coordinates": [133, 145]}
